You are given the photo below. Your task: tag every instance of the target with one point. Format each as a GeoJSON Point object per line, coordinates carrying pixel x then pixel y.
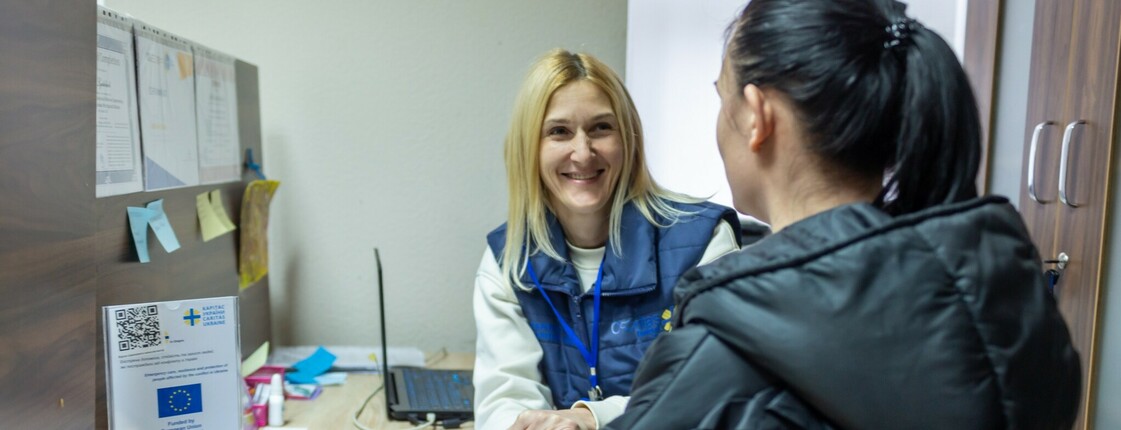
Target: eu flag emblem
{"type": "Point", "coordinates": [181, 400]}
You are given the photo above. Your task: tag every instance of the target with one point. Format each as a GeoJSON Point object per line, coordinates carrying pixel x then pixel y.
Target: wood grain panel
{"type": "Point", "coordinates": [1046, 95]}
{"type": "Point", "coordinates": [63, 253]}
{"type": "Point", "coordinates": [47, 82]}
{"type": "Point", "coordinates": [255, 314]}
{"type": "Point", "coordinates": [982, 34]}
{"type": "Point", "coordinates": [1091, 97]}
{"type": "Point", "coordinates": [255, 309]}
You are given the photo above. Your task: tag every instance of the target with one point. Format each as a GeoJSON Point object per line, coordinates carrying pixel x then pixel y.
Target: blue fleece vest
{"type": "Point", "coordinates": [636, 302]}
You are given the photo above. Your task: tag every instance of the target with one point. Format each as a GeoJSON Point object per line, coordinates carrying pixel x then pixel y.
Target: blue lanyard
{"type": "Point", "coordinates": [589, 357]}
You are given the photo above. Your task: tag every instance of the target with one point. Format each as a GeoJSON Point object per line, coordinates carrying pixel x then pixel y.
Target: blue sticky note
{"type": "Point", "coordinates": [308, 368]}
{"type": "Point", "coordinates": [138, 222]}
{"type": "Point", "coordinates": [162, 227]}
{"type": "Point", "coordinates": [300, 377]}
{"type": "Point", "coordinates": [180, 400]}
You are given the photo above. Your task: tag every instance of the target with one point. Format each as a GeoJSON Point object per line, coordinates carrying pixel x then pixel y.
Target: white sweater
{"type": "Point", "coordinates": [506, 377]}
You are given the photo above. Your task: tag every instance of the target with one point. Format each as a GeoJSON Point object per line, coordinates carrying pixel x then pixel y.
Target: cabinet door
{"type": "Point", "coordinates": [1089, 134]}
{"type": "Point", "coordinates": [47, 82]}
{"type": "Point", "coordinates": [1046, 93]}
{"type": "Point", "coordinates": [1073, 88]}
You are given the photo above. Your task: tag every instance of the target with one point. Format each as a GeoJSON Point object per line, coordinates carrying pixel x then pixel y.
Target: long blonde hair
{"type": "Point", "coordinates": [527, 225]}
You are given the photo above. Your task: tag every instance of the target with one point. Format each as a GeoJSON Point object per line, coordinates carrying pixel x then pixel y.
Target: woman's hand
{"type": "Point", "coordinates": [568, 419]}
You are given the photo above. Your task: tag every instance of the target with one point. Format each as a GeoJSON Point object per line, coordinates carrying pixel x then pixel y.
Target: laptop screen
{"type": "Point", "coordinates": [411, 393]}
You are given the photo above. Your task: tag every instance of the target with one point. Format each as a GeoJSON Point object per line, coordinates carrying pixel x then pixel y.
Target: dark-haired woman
{"type": "Point", "coordinates": [890, 295]}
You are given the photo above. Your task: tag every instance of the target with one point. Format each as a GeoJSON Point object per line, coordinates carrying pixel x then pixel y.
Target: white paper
{"type": "Point", "coordinates": [167, 112]}
{"type": "Point", "coordinates": [173, 365]}
{"type": "Point", "coordinates": [118, 129]}
{"type": "Point", "coordinates": [216, 108]}
{"type": "Point", "coordinates": [350, 357]}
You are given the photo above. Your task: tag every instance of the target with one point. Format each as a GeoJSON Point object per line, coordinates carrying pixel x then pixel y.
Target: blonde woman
{"type": "Point", "coordinates": [578, 282]}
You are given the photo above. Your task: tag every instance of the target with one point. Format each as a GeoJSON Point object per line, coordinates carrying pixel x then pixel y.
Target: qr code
{"type": "Point", "coordinates": [138, 327]}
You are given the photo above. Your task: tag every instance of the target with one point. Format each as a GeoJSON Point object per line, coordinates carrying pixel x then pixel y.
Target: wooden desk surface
{"type": "Point", "coordinates": [335, 406]}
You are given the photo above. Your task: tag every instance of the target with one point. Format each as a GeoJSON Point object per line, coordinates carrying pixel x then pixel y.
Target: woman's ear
{"type": "Point", "coordinates": [761, 118]}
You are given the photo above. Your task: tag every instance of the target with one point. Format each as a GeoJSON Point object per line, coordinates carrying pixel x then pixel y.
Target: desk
{"type": "Point", "coordinates": [335, 406]}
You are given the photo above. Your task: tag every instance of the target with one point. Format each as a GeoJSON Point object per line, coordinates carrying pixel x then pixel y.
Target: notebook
{"type": "Point", "coordinates": [413, 392]}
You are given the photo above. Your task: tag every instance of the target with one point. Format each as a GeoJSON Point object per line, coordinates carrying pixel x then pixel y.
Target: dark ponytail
{"type": "Point", "coordinates": [877, 93]}
{"type": "Point", "coordinates": [938, 146]}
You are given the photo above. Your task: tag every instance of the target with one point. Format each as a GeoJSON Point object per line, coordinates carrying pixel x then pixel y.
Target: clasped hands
{"type": "Point", "coordinates": [567, 419]}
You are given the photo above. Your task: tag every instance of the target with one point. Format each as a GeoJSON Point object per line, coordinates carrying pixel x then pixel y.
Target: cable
{"type": "Point", "coordinates": [431, 417]}
{"type": "Point", "coordinates": [435, 358]}
{"type": "Point", "coordinates": [456, 423]}
{"type": "Point", "coordinates": [354, 418]}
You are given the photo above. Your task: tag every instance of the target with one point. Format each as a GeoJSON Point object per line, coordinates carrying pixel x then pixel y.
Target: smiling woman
{"type": "Point", "coordinates": [581, 154]}
{"type": "Point", "coordinates": [592, 245]}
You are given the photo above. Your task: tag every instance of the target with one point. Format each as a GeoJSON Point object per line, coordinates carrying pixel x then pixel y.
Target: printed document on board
{"type": "Point", "coordinates": [118, 129]}
{"type": "Point", "coordinates": [166, 75]}
{"type": "Point", "coordinates": [216, 106]}
{"type": "Point", "coordinates": [173, 365]}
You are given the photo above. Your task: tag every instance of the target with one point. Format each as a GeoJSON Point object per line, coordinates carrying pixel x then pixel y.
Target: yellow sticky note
{"type": "Point", "coordinates": [186, 64]}
{"type": "Point", "coordinates": [666, 314]}
{"type": "Point", "coordinates": [253, 258]}
{"type": "Point", "coordinates": [255, 360]}
{"type": "Point", "coordinates": [219, 209]}
{"type": "Point", "coordinates": [211, 226]}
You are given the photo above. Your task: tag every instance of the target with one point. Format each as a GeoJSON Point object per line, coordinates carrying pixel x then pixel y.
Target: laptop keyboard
{"type": "Point", "coordinates": [438, 390]}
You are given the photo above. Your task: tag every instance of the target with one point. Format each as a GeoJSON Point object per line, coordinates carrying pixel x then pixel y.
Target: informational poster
{"type": "Point", "coordinates": [166, 75]}
{"type": "Point", "coordinates": [173, 365]}
{"type": "Point", "coordinates": [118, 121]}
{"type": "Point", "coordinates": [216, 109]}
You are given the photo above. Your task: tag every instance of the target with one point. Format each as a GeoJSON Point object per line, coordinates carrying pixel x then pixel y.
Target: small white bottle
{"type": "Point", "coordinates": [276, 401]}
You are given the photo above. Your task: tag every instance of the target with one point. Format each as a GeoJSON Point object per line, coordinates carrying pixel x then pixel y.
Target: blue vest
{"type": "Point", "coordinates": [636, 302]}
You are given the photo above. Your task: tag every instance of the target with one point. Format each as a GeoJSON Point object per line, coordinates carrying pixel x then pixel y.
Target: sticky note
{"type": "Point", "coordinates": [138, 223]}
{"type": "Point", "coordinates": [253, 258]}
{"type": "Point", "coordinates": [308, 368]}
{"type": "Point", "coordinates": [317, 363]}
{"type": "Point", "coordinates": [211, 226]}
{"type": "Point", "coordinates": [162, 227]}
{"type": "Point", "coordinates": [220, 210]}
{"type": "Point", "coordinates": [153, 215]}
{"type": "Point", "coordinates": [255, 360]}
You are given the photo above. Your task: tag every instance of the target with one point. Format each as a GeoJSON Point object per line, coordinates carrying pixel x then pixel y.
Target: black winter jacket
{"type": "Point", "coordinates": [854, 319]}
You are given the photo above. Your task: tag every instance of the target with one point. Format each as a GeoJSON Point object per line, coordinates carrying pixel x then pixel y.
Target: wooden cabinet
{"type": "Point", "coordinates": [47, 325]}
{"type": "Point", "coordinates": [1068, 143]}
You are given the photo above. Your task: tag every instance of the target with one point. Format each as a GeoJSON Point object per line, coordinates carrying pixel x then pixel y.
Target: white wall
{"type": "Point", "coordinates": [384, 121]}
{"type": "Point", "coordinates": [674, 50]}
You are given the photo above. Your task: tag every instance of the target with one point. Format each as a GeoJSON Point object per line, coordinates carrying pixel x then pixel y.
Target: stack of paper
{"type": "Point", "coordinates": [351, 358]}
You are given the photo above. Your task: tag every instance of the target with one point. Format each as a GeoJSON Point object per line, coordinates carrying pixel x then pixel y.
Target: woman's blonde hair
{"type": "Point", "coordinates": [527, 225]}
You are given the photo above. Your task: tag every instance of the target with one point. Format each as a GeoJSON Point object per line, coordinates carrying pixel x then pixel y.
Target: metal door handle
{"type": "Point", "coordinates": [1031, 161]}
{"type": "Point", "coordinates": [1063, 159]}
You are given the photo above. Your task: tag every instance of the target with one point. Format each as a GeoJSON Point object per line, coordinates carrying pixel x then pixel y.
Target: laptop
{"type": "Point", "coordinates": [411, 393]}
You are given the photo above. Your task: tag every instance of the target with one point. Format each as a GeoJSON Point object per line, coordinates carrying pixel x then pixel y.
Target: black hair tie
{"type": "Point", "coordinates": [900, 31]}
